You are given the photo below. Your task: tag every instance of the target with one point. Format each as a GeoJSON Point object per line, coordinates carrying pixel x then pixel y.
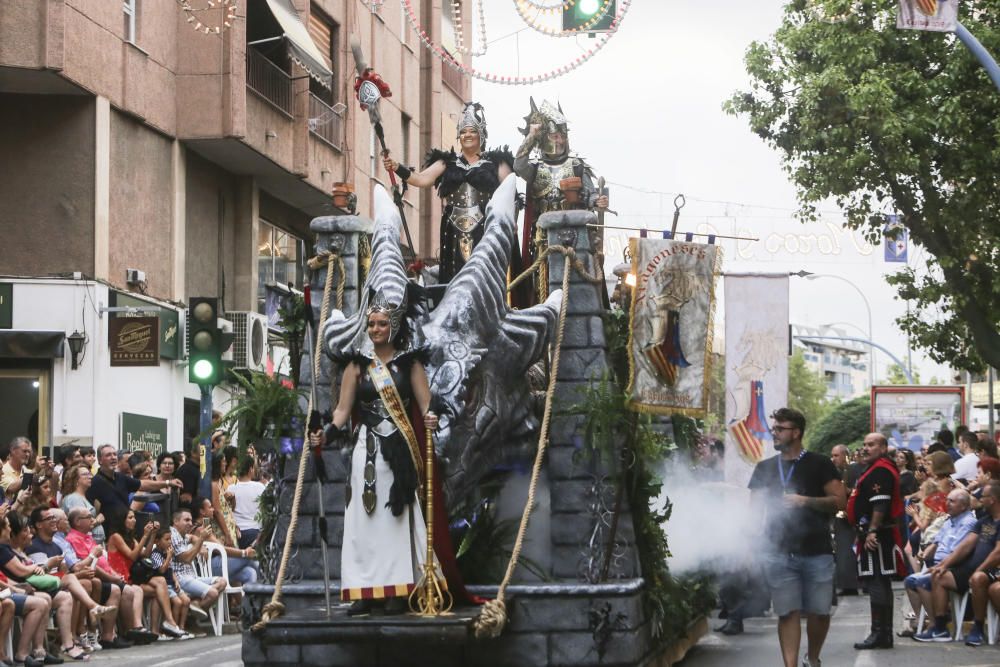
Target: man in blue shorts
{"type": "Point", "coordinates": [799, 493]}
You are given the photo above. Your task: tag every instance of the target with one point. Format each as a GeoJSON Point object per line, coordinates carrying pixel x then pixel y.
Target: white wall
{"type": "Point", "coordinates": [87, 402]}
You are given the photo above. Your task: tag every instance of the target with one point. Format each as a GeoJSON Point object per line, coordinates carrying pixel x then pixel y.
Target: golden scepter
{"type": "Point", "coordinates": [429, 597]}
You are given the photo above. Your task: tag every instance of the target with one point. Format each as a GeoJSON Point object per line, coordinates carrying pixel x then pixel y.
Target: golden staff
{"type": "Point", "coordinates": [429, 597]}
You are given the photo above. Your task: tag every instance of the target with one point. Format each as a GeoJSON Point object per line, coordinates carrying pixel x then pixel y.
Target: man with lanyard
{"type": "Point", "coordinates": [111, 488]}
{"type": "Point", "coordinates": [800, 491]}
{"type": "Point", "coordinates": [875, 508]}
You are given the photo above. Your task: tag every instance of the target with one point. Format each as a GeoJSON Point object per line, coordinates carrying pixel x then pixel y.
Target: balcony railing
{"type": "Point", "coordinates": [452, 77]}
{"type": "Point", "coordinates": [269, 81]}
{"type": "Point", "coordinates": [324, 122]}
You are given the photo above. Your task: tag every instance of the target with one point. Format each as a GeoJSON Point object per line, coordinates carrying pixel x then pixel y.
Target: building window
{"type": "Point", "coordinates": [278, 261]}
{"type": "Point", "coordinates": [131, 14]}
{"type": "Point", "coordinates": [325, 35]}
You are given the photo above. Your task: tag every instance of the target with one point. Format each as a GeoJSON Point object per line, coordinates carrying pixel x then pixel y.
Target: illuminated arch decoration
{"type": "Point", "coordinates": [517, 80]}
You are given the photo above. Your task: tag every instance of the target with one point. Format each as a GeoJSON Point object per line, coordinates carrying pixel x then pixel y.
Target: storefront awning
{"type": "Point", "coordinates": [21, 344]}
{"type": "Point", "coordinates": [301, 47]}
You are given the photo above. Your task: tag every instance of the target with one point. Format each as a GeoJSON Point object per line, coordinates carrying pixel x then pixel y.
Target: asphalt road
{"type": "Point", "coordinates": [221, 651]}
{"type": "Point", "coordinates": [758, 645]}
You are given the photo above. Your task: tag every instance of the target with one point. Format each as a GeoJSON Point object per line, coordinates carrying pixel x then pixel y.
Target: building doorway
{"type": "Point", "coordinates": [24, 395]}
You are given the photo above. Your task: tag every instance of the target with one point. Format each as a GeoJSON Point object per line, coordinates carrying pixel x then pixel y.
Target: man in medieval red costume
{"type": "Point", "coordinates": [875, 509]}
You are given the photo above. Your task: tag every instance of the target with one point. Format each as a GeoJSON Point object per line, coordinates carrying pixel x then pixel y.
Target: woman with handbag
{"type": "Point", "coordinates": [129, 557]}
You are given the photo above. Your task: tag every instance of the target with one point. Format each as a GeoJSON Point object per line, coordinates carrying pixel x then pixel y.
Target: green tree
{"type": "Point", "coordinates": [845, 424]}
{"type": "Point", "coordinates": [806, 390]}
{"type": "Point", "coordinates": [894, 375]}
{"type": "Point", "coordinates": [879, 119]}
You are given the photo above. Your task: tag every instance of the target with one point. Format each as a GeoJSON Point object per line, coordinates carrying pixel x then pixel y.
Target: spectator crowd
{"type": "Point", "coordinates": [103, 549]}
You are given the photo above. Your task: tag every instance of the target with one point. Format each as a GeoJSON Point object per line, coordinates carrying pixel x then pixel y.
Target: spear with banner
{"type": "Point", "coordinates": [369, 88]}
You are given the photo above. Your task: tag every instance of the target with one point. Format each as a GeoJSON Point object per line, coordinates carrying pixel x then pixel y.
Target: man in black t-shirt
{"type": "Point", "coordinates": [799, 491]}
{"type": "Point", "coordinates": [111, 488]}
{"type": "Point", "coordinates": [190, 472]}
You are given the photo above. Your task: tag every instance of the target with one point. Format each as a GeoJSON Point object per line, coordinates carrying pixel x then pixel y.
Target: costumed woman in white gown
{"type": "Point", "coordinates": [385, 536]}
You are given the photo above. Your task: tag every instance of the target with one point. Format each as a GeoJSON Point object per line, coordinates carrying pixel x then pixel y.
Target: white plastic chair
{"type": "Point", "coordinates": [216, 548]}
{"type": "Point", "coordinates": [992, 623]}
{"type": "Point", "coordinates": [958, 604]}
{"type": "Point", "coordinates": [203, 568]}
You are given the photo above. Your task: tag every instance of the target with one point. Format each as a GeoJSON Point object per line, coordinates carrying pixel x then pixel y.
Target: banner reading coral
{"type": "Point", "coordinates": [670, 336]}
{"type": "Point", "coordinates": [756, 367]}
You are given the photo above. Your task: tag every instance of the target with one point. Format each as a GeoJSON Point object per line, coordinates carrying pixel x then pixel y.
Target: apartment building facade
{"type": "Point", "coordinates": [146, 157]}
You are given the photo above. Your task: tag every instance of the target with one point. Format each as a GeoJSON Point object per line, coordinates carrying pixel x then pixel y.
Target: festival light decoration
{"type": "Point", "coordinates": [492, 77]}
{"type": "Point", "coordinates": [596, 10]}
{"type": "Point", "coordinates": [194, 16]}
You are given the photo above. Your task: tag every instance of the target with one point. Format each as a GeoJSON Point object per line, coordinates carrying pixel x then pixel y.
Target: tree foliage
{"type": "Point", "coordinates": [895, 375]}
{"type": "Point", "coordinates": [845, 424]}
{"type": "Point", "coordinates": [806, 390]}
{"type": "Point", "coordinates": [880, 119]}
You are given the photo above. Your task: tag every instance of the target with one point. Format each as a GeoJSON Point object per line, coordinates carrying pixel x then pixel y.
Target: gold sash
{"type": "Point", "coordinates": [393, 402]}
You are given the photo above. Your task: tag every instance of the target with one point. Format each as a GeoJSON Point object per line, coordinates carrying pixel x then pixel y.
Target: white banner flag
{"type": "Point", "coordinates": [756, 368]}
{"type": "Point", "coordinates": [935, 15]}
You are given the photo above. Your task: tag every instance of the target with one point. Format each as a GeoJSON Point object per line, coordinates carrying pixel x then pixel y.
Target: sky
{"type": "Point", "coordinates": [646, 112]}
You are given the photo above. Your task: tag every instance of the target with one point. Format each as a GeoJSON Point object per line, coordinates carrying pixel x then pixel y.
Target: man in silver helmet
{"type": "Point", "coordinates": [543, 161]}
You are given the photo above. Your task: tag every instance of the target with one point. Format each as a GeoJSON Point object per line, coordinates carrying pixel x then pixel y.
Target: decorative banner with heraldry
{"type": "Point", "coordinates": [670, 333]}
{"type": "Point", "coordinates": [934, 15]}
{"type": "Point", "coordinates": [756, 367]}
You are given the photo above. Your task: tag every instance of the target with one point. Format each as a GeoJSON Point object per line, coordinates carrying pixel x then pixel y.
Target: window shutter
{"type": "Point", "coordinates": [319, 30]}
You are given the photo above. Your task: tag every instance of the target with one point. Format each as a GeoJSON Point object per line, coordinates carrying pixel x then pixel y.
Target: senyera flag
{"type": "Point", "coordinates": [934, 15]}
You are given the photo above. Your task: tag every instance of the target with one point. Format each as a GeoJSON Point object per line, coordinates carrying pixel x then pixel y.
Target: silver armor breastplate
{"type": "Point", "coordinates": [384, 427]}
{"type": "Point", "coordinates": [467, 206]}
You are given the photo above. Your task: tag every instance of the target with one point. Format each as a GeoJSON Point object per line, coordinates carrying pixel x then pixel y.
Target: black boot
{"type": "Point", "coordinates": [873, 639]}
{"type": "Point", "coordinates": [731, 627]}
{"type": "Point", "coordinates": [885, 640]}
{"type": "Point", "coordinates": [881, 634]}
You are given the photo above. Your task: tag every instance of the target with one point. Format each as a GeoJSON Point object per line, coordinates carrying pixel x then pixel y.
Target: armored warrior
{"type": "Point", "coordinates": [543, 161]}
{"type": "Point", "coordinates": [465, 182]}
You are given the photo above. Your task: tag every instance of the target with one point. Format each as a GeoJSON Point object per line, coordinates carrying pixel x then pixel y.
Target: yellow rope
{"type": "Point", "coordinates": [562, 250]}
{"type": "Point", "coordinates": [493, 617]}
{"type": "Point", "coordinates": [275, 608]}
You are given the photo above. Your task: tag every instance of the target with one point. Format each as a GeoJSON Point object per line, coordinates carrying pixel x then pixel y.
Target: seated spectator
{"type": "Point", "coordinates": [977, 552]}
{"type": "Point", "coordinates": [966, 466]}
{"type": "Point", "coordinates": [130, 607]}
{"type": "Point", "coordinates": [12, 475]}
{"type": "Point", "coordinates": [19, 568]}
{"type": "Point", "coordinates": [245, 494]}
{"type": "Point", "coordinates": [44, 551]}
{"type": "Point", "coordinates": [959, 522]}
{"type": "Point", "coordinates": [242, 566]}
{"type": "Point", "coordinates": [162, 558]}
{"type": "Point", "coordinates": [75, 486]}
{"type": "Point", "coordinates": [985, 446]}
{"type": "Point", "coordinates": [906, 463]}
{"type": "Point", "coordinates": [987, 469]}
{"type": "Point", "coordinates": [32, 607]}
{"type": "Point", "coordinates": [942, 469]}
{"type": "Point", "coordinates": [187, 541]}
{"type": "Point", "coordinates": [124, 549]}
{"type": "Point", "coordinates": [42, 495]}
{"type": "Point", "coordinates": [84, 570]}
{"type": "Point", "coordinates": [138, 501]}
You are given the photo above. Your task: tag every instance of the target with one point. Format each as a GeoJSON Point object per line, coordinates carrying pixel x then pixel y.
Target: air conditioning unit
{"type": "Point", "coordinates": [226, 327]}
{"type": "Point", "coordinates": [250, 342]}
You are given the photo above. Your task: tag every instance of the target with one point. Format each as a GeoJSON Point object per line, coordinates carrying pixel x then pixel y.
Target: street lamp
{"type": "Point", "coordinates": [808, 275]}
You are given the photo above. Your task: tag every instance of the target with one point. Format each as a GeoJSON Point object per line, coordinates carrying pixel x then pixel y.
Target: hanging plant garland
{"type": "Point", "coordinates": [227, 8]}
{"type": "Point", "coordinates": [492, 77]}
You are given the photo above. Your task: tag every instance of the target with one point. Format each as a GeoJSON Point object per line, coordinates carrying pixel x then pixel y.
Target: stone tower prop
{"type": "Point", "coordinates": [571, 619]}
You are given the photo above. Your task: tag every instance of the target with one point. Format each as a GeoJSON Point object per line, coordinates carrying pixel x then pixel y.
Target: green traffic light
{"type": "Point", "coordinates": [203, 369]}
{"type": "Point", "coordinates": [589, 7]}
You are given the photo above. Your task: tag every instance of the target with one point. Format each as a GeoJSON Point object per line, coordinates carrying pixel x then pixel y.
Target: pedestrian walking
{"type": "Point", "coordinates": [799, 492]}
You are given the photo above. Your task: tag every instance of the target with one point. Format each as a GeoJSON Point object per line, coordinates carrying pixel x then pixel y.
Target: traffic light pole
{"type": "Point", "coordinates": [204, 424]}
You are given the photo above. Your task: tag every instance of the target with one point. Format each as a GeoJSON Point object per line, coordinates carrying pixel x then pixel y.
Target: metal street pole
{"type": "Point", "coordinates": [871, 348]}
{"type": "Point", "coordinates": [205, 423]}
{"type": "Point", "coordinates": [980, 52]}
{"type": "Point", "coordinates": [990, 375]}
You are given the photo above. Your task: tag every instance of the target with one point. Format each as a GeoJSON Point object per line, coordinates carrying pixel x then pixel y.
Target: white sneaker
{"type": "Point", "coordinates": [185, 636]}
{"type": "Point", "coordinates": [164, 638]}
{"type": "Point", "coordinates": [198, 611]}
{"type": "Point", "coordinates": [94, 640]}
{"type": "Point", "coordinates": [806, 662]}
{"type": "Point", "coordinates": [171, 629]}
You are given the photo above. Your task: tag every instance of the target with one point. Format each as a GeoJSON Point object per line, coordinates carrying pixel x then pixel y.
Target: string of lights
{"type": "Point", "coordinates": [492, 77]}
{"type": "Point", "coordinates": [195, 15]}
{"type": "Point", "coordinates": [596, 15]}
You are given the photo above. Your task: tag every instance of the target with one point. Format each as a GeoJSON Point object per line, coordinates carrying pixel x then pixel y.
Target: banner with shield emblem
{"type": "Point", "coordinates": [670, 336]}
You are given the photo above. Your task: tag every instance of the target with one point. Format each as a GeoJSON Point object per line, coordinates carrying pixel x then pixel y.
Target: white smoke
{"type": "Point", "coordinates": [713, 526]}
